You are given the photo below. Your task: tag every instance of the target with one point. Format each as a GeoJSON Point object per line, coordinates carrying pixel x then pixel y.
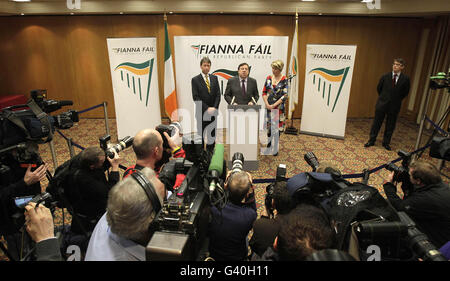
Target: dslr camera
{"type": "Point", "coordinates": [280, 176]}
{"type": "Point", "coordinates": [401, 173]}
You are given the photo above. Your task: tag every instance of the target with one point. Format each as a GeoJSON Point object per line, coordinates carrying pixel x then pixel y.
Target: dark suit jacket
{"type": "Point", "coordinates": [234, 90]}
{"type": "Point", "coordinates": [390, 98]}
{"type": "Point", "coordinates": [200, 91]}
{"type": "Point", "coordinates": [48, 250]}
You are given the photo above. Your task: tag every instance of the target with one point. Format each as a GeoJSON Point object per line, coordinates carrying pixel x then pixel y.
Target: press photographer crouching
{"type": "Point", "coordinates": [278, 203]}
{"type": "Point", "coordinates": [125, 229]}
{"type": "Point", "coordinates": [89, 191]}
{"type": "Point", "coordinates": [230, 226]}
{"type": "Point", "coordinates": [427, 204]}
{"type": "Point", "coordinates": [154, 147]}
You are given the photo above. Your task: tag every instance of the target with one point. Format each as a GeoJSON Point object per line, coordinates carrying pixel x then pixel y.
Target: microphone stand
{"type": "Point", "coordinates": [291, 130]}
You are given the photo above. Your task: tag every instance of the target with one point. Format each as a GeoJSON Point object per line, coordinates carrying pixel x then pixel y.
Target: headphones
{"type": "Point", "coordinates": [148, 188]}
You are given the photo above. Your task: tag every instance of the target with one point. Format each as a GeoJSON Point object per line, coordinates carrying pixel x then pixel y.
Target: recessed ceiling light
{"type": "Point", "coordinates": [21, 0]}
{"type": "Point", "coordinates": [308, 0]}
{"type": "Point", "coordinates": [71, 14]}
{"type": "Point", "coordinates": [121, 13]}
{"type": "Point", "coordinates": [22, 14]}
{"type": "Point", "coordinates": [271, 13]}
{"type": "Point", "coordinates": [170, 12]}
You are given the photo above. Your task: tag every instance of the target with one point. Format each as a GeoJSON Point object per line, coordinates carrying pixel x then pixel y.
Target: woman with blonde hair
{"type": "Point", "coordinates": [274, 95]}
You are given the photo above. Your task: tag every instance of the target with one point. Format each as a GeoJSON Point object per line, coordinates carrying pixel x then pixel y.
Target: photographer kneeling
{"type": "Point", "coordinates": [428, 205]}
{"type": "Point", "coordinates": [266, 228]}
{"type": "Point", "coordinates": [230, 226]}
{"type": "Point", "coordinates": [89, 191]}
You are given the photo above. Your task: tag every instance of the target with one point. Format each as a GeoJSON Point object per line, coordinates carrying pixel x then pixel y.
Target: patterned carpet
{"type": "Point", "coordinates": [348, 155]}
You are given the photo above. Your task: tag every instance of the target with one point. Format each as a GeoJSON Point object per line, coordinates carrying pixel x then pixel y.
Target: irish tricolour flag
{"type": "Point", "coordinates": [170, 93]}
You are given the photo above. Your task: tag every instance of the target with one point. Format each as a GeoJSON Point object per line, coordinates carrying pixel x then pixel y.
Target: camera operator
{"type": "Point", "coordinates": [305, 230]}
{"type": "Point", "coordinates": [123, 231]}
{"type": "Point", "coordinates": [39, 222]}
{"type": "Point", "coordinates": [17, 182]}
{"type": "Point", "coordinates": [266, 229]}
{"type": "Point", "coordinates": [148, 147]}
{"type": "Point", "coordinates": [89, 193]}
{"type": "Point", "coordinates": [428, 205]}
{"type": "Point", "coordinates": [230, 226]}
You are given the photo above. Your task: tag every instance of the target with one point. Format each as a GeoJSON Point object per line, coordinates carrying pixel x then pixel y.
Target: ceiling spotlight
{"type": "Point", "coordinates": [121, 13]}
{"type": "Point", "coordinates": [271, 13]}
{"type": "Point", "coordinates": [22, 14]}
{"type": "Point", "coordinates": [171, 12]}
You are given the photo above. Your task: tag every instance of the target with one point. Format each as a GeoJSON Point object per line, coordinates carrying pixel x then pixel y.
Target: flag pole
{"type": "Point", "coordinates": [291, 130]}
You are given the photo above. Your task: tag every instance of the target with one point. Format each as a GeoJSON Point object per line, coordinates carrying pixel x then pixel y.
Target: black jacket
{"type": "Point", "coordinates": [12, 185]}
{"type": "Point", "coordinates": [389, 97]}
{"type": "Point", "coordinates": [428, 207]}
{"type": "Point", "coordinates": [200, 92]}
{"type": "Point", "coordinates": [89, 194]}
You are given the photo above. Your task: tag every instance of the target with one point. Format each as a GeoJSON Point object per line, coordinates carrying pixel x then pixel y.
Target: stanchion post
{"type": "Point", "coordinates": [105, 110]}
{"type": "Point", "coordinates": [52, 149]}
{"type": "Point", "coordinates": [422, 122]}
{"type": "Point", "coordinates": [69, 144]}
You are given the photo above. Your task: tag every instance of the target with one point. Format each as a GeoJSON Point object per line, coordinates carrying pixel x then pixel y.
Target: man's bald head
{"type": "Point", "coordinates": [145, 142]}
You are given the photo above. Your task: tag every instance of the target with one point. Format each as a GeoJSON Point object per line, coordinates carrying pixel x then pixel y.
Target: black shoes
{"type": "Point", "coordinates": [369, 143]}
{"type": "Point", "coordinates": [387, 146]}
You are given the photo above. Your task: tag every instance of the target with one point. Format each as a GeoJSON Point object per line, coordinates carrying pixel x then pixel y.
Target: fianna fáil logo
{"type": "Point", "coordinates": [329, 83]}
{"type": "Point", "coordinates": [138, 77]}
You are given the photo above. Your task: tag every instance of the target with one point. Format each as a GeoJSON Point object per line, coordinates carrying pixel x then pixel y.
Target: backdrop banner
{"type": "Point", "coordinates": [225, 53]}
{"type": "Point", "coordinates": [328, 78]}
{"type": "Point", "coordinates": [134, 78]}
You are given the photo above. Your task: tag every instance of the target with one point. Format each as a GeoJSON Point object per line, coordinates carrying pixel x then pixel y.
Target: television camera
{"type": "Point", "coordinates": [180, 228]}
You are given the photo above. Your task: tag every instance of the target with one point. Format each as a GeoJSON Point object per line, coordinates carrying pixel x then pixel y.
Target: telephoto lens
{"type": "Point", "coordinates": [121, 145]}
{"type": "Point", "coordinates": [237, 162]}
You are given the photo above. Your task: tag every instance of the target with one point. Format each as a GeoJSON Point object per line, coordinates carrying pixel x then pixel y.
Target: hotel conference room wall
{"type": "Point", "coordinates": [67, 55]}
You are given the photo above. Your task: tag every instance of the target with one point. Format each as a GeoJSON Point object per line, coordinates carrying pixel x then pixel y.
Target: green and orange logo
{"type": "Point", "coordinates": [325, 79]}
{"type": "Point", "coordinates": [135, 73]}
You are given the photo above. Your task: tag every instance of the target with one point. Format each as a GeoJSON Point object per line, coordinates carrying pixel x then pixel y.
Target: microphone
{"type": "Point", "coordinates": [65, 102]}
{"type": "Point", "coordinates": [253, 100]}
{"type": "Point", "coordinates": [232, 100]}
{"type": "Point", "coordinates": [215, 169]}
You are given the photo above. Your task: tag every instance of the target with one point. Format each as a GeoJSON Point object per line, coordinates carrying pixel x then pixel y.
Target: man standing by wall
{"type": "Point", "coordinates": [206, 95]}
{"type": "Point", "coordinates": [392, 88]}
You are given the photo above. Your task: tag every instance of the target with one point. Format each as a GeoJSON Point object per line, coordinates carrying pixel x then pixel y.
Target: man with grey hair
{"type": "Point", "coordinates": [123, 232]}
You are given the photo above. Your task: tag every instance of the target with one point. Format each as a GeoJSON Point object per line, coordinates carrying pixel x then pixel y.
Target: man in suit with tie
{"type": "Point", "coordinates": [242, 89]}
{"type": "Point", "coordinates": [392, 88]}
{"type": "Point", "coordinates": [206, 95]}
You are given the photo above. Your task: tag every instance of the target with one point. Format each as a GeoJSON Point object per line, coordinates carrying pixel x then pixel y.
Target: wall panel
{"type": "Point", "coordinates": [68, 55]}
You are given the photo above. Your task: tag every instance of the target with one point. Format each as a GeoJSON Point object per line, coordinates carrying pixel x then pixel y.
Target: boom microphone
{"type": "Point", "coordinates": [215, 169]}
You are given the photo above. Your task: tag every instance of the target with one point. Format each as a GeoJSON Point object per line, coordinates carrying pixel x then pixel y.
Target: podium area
{"type": "Point", "coordinates": [243, 135]}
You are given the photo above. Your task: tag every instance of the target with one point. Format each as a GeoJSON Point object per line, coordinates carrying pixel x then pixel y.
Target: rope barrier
{"type": "Point", "coordinates": [261, 181]}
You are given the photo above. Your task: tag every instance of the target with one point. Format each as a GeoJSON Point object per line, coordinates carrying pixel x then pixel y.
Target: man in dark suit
{"type": "Point", "coordinates": [242, 89]}
{"type": "Point", "coordinates": [206, 95]}
{"type": "Point", "coordinates": [392, 88]}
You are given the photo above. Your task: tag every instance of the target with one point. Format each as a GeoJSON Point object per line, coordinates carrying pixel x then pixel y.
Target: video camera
{"type": "Point", "coordinates": [440, 81]}
{"type": "Point", "coordinates": [180, 228]}
{"type": "Point", "coordinates": [401, 173]}
{"type": "Point", "coordinates": [280, 177]}
{"type": "Point", "coordinates": [34, 124]}
{"type": "Point", "coordinates": [398, 240]}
